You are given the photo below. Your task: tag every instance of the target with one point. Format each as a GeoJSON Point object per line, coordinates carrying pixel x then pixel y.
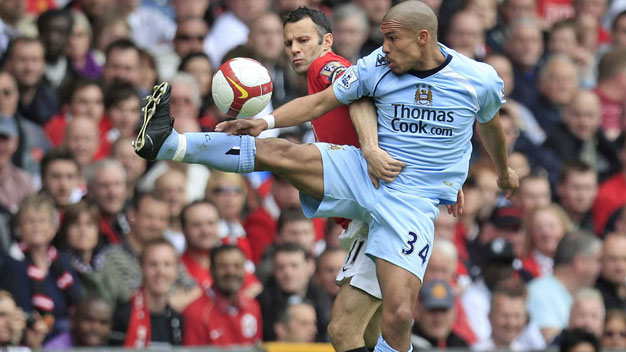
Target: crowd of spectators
{"type": "Point", "coordinates": [99, 247]}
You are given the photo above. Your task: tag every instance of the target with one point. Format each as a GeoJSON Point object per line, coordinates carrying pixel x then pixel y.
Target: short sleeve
{"type": "Point", "coordinates": [357, 81]}
{"type": "Point", "coordinates": [492, 97]}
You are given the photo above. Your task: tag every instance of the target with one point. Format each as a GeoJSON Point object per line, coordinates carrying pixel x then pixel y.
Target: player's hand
{"type": "Point", "coordinates": [456, 209]}
{"type": "Point", "coordinates": [509, 183]}
{"type": "Point", "coordinates": [381, 166]}
{"type": "Point", "coordinates": [241, 126]}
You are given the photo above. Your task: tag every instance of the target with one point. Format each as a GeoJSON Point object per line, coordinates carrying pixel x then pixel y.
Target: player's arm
{"type": "Point", "coordinates": [492, 135]}
{"type": "Point", "coordinates": [379, 164]}
{"type": "Point", "coordinates": [293, 113]}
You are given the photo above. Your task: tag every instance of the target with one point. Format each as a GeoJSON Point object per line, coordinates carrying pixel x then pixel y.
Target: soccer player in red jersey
{"type": "Point", "coordinates": [308, 40]}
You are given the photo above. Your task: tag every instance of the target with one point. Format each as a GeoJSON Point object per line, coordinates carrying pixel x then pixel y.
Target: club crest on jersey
{"type": "Point", "coordinates": [424, 94]}
{"type": "Point", "coordinates": [348, 78]}
{"type": "Point", "coordinates": [381, 60]}
{"type": "Point", "coordinates": [335, 147]}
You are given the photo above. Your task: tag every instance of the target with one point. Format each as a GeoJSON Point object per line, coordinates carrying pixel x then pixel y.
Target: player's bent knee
{"type": "Point", "coordinates": [401, 315]}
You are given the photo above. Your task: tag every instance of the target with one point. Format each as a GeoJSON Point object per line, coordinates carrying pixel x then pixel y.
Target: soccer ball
{"type": "Point", "coordinates": [242, 87]}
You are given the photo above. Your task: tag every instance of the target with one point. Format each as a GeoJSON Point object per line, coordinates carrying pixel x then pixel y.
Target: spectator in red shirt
{"type": "Point", "coordinates": [224, 316]}
{"type": "Point", "coordinates": [82, 97]}
{"type": "Point", "coordinates": [199, 221]}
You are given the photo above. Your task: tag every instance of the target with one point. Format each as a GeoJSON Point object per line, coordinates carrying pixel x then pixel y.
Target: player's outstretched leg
{"type": "Point", "coordinates": [157, 140]}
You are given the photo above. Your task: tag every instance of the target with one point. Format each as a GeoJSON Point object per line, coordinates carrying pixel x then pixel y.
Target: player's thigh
{"type": "Point", "coordinates": [358, 267]}
{"type": "Point", "coordinates": [402, 231]}
{"type": "Point", "coordinates": [348, 191]}
{"type": "Point", "coordinates": [300, 164]}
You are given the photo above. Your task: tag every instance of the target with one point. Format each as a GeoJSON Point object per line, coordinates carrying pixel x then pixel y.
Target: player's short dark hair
{"type": "Point", "coordinates": [318, 17]}
{"type": "Point", "coordinates": [573, 166]}
{"type": "Point", "coordinates": [54, 155]}
{"type": "Point", "coordinates": [118, 92]}
{"type": "Point", "coordinates": [573, 337]}
{"type": "Point", "coordinates": [290, 214]}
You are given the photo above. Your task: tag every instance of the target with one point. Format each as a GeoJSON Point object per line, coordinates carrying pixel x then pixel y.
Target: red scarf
{"type": "Point", "coordinates": [108, 231]}
{"type": "Point", "coordinates": [198, 272]}
{"type": "Point", "coordinates": [138, 332]}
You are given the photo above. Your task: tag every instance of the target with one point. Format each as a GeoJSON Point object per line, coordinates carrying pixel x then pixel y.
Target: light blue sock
{"type": "Point", "coordinates": [217, 150]}
{"type": "Point", "coordinates": [382, 346]}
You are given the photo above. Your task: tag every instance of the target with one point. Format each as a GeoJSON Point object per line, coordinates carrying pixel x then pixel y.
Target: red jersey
{"type": "Point", "coordinates": [335, 126]}
{"type": "Point", "coordinates": [212, 320]}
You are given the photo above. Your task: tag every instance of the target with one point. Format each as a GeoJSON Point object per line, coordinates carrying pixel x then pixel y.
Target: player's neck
{"type": "Point", "coordinates": [432, 58]}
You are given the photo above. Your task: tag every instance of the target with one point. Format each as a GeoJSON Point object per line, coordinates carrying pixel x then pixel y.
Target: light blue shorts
{"type": "Point", "coordinates": [401, 224]}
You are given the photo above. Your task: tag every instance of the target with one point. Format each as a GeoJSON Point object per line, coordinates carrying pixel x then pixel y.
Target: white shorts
{"type": "Point", "coordinates": [358, 266]}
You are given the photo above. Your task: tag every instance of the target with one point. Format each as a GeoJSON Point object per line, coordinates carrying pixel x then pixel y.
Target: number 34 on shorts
{"type": "Point", "coordinates": [423, 253]}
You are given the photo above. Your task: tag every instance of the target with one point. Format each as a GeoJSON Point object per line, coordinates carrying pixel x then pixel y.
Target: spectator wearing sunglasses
{"type": "Point", "coordinates": [189, 38]}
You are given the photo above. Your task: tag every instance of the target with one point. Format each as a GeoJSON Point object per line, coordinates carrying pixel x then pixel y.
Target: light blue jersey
{"type": "Point", "coordinates": [426, 118]}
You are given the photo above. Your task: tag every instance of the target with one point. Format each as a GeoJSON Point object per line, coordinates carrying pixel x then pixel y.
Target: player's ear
{"type": "Point", "coordinates": [327, 41]}
{"type": "Point", "coordinates": [423, 36]}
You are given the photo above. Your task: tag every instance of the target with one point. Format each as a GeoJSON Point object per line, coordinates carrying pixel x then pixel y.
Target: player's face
{"type": "Point", "coordinates": [401, 47]}
{"type": "Point", "coordinates": [303, 44]}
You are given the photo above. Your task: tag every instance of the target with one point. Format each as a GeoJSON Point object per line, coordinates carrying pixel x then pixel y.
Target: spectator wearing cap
{"type": "Point", "coordinates": [545, 226]}
{"type": "Point", "coordinates": [496, 266]}
{"type": "Point", "coordinates": [434, 318]}
{"type": "Point", "coordinates": [509, 321]}
{"type": "Point", "coordinates": [15, 183]}
{"type": "Point", "coordinates": [505, 222]}
{"type": "Point", "coordinates": [576, 265]}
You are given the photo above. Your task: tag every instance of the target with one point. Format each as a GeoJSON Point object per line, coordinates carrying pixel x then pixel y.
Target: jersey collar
{"type": "Point", "coordinates": [427, 73]}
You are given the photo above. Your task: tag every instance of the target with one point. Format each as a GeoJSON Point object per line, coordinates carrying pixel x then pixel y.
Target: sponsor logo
{"type": "Point", "coordinates": [407, 118]}
{"type": "Point", "coordinates": [424, 95]}
{"type": "Point", "coordinates": [243, 92]}
{"type": "Point", "coordinates": [348, 78]}
{"type": "Point", "coordinates": [381, 60]}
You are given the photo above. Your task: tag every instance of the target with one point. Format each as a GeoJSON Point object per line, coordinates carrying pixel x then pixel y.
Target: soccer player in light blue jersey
{"type": "Point", "coordinates": [427, 98]}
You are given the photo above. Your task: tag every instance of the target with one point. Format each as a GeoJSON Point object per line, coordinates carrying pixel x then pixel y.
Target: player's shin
{"type": "Point", "coordinates": [217, 150]}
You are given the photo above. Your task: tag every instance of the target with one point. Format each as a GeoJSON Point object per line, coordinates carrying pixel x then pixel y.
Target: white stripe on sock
{"type": "Point", "coordinates": [181, 149]}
